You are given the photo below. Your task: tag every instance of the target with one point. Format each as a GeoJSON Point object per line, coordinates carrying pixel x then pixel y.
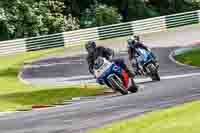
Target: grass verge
{"type": "Point", "coordinates": [190, 57]}
{"type": "Point", "coordinates": [181, 119]}
{"type": "Point", "coordinates": [16, 95]}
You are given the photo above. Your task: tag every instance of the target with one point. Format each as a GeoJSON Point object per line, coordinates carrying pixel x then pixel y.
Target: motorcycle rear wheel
{"type": "Point", "coordinates": [153, 72]}
{"type": "Point", "coordinates": [156, 77]}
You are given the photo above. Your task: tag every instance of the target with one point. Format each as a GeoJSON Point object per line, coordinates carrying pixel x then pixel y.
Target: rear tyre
{"type": "Point", "coordinates": [156, 77]}
{"type": "Point", "coordinates": [117, 85]}
{"type": "Point", "coordinates": [153, 72]}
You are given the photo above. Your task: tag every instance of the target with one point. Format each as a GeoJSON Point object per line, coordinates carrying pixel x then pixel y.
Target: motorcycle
{"type": "Point", "coordinates": [113, 76]}
{"type": "Point", "coordinates": [146, 64]}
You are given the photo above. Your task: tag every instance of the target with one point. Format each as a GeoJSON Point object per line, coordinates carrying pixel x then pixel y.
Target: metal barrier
{"type": "Point", "coordinates": [182, 19]}
{"type": "Point", "coordinates": [150, 25]}
{"type": "Point", "coordinates": [44, 42]}
{"type": "Point", "coordinates": [75, 37]}
{"type": "Point", "coordinates": [12, 46]}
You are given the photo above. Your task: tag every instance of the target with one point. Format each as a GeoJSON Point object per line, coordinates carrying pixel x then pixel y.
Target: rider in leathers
{"type": "Point", "coordinates": [133, 44]}
{"type": "Point", "coordinates": [95, 51]}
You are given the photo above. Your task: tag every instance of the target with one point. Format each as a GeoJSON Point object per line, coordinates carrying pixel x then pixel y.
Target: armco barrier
{"type": "Point", "coordinates": [182, 19]}
{"type": "Point", "coordinates": [149, 25]}
{"type": "Point", "coordinates": [199, 15]}
{"type": "Point", "coordinates": [12, 46]}
{"type": "Point", "coordinates": [75, 37]}
{"type": "Point", "coordinates": [44, 42]}
{"type": "Point", "coordinates": [117, 30]}
{"type": "Point", "coordinates": [99, 33]}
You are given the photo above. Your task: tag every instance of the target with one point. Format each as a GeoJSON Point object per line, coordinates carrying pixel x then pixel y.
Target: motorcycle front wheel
{"type": "Point", "coordinates": [117, 84]}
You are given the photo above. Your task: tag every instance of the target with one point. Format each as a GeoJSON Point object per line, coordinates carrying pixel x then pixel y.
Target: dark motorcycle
{"type": "Point", "coordinates": [146, 64]}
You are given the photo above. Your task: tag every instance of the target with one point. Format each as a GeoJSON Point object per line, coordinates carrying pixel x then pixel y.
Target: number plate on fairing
{"type": "Point", "coordinates": [106, 65]}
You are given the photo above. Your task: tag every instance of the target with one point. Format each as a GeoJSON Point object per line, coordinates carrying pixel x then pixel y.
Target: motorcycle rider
{"type": "Point", "coordinates": [95, 51]}
{"type": "Point", "coordinates": [134, 43]}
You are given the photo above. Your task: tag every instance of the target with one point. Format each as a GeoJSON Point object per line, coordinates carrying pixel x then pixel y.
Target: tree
{"type": "Point", "coordinates": [76, 7]}
{"type": "Point", "coordinates": [173, 6]}
{"type": "Point", "coordinates": [100, 15]}
{"type": "Point", "coordinates": [56, 20]}
{"type": "Point", "coordinates": [3, 25]}
{"type": "Point", "coordinates": [26, 18]}
{"type": "Point", "coordinates": [107, 15]}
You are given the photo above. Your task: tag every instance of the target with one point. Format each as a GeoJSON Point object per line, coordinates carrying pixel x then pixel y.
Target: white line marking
{"type": "Point", "coordinates": [85, 79]}
{"type": "Point", "coordinates": [19, 76]}
{"type": "Point", "coordinates": [7, 113]}
{"type": "Point", "coordinates": [195, 89]}
{"type": "Point", "coordinates": [79, 77]}
{"type": "Point", "coordinates": [140, 80]}
{"type": "Point", "coordinates": [53, 64]}
{"type": "Point", "coordinates": [181, 76]}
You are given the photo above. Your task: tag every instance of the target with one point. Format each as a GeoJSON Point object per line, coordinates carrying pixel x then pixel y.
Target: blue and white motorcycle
{"type": "Point", "coordinates": [113, 76]}
{"type": "Point", "coordinates": [146, 64]}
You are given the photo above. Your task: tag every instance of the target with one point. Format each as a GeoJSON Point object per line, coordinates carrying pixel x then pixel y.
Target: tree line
{"type": "Point", "coordinates": [28, 18]}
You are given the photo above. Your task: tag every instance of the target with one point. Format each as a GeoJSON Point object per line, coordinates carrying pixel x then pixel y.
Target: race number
{"type": "Point", "coordinates": [103, 69]}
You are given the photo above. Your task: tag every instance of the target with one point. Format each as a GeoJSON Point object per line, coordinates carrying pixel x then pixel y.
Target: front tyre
{"type": "Point", "coordinates": [117, 84]}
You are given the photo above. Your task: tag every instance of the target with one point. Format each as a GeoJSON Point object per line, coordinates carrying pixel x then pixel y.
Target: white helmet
{"type": "Point", "coordinates": [132, 41]}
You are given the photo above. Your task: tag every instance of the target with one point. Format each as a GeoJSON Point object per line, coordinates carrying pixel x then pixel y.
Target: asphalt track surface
{"type": "Point", "coordinates": [179, 84]}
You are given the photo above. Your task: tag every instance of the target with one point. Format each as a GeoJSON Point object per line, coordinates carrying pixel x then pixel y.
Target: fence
{"type": "Point", "coordinates": [100, 33]}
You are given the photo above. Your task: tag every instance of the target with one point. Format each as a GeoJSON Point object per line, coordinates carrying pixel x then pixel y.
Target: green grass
{"type": "Point", "coordinates": [181, 119]}
{"type": "Point", "coordinates": [14, 94]}
{"type": "Point", "coordinates": [191, 57]}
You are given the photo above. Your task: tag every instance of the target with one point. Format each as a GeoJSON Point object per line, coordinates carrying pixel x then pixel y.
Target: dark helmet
{"type": "Point", "coordinates": [90, 46]}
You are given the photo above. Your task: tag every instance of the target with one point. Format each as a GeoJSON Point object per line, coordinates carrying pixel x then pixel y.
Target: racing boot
{"type": "Point", "coordinates": [133, 88]}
